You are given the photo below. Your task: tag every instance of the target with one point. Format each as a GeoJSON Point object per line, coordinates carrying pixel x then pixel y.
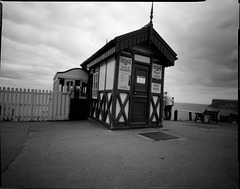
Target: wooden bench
{"type": "Point", "coordinates": [212, 116]}
{"type": "Point", "coordinates": [233, 117]}
{"type": "Point", "coordinates": [229, 118]}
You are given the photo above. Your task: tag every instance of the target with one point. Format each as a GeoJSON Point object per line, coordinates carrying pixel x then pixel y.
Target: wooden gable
{"type": "Point", "coordinates": [126, 41]}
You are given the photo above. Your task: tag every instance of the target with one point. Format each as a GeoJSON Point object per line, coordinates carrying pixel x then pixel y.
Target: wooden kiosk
{"type": "Point", "coordinates": [127, 77]}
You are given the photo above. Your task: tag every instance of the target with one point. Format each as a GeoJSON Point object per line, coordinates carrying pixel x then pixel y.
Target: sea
{"type": "Point", "coordinates": [185, 108]}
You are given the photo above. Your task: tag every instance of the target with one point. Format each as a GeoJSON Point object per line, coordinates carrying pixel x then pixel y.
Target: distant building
{"type": "Point", "coordinates": [73, 80]}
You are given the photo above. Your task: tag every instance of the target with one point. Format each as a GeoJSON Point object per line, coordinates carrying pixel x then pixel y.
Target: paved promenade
{"type": "Point", "coordinates": [84, 154]}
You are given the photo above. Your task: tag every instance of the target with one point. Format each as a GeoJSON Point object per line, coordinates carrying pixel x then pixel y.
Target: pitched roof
{"type": "Point", "coordinates": [71, 73]}
{"type": "Point", "coordinates": [119, 43]}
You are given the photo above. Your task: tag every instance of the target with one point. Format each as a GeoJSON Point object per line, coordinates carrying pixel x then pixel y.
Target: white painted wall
{"type": "Point", "coordinates": [102, 75]}
{"type": "Point", "coordinates": [110, 73]}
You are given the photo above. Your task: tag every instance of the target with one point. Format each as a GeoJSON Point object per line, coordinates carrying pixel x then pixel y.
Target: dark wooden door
{"type": "Point", "coordinates": [140, 95]}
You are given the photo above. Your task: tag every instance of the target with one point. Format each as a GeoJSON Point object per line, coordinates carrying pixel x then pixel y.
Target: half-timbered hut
{"type": "Point", "coordinates": [127, 79]}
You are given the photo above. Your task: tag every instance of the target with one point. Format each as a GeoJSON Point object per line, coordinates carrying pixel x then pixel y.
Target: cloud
{"type": "Point", "coordinates": [40, 39]}
{"type": "Point", "coordinates": [206, 44]}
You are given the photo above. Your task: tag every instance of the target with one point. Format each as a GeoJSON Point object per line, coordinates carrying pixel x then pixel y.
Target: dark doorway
{"type": "Point", "coordinates": [140, 95]}
{"type": "Point", "coordinates": [78, 109]}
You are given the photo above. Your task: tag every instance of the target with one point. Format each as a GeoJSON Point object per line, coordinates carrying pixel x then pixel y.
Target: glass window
{"type": "Point", "coordinates": [61, 85]}
{"type": "Point", "coordinates": [84, 89]}
{"type": "Point", "coordinates": [95, 85]}
{"type": "Point", "coordinates": [77, 89]}
{"type": "Point", "coordinates": [70, 86]}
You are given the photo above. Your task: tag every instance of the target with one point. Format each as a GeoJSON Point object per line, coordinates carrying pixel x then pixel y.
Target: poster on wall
{"type": "Point", "coordinates": [124, 77]}
{"type": "Point", "coordinates": [156, 78]}
{"type": "Point", "coordinates": [156, 73]}
{"type": "Point", "coordinates": [156, 88]}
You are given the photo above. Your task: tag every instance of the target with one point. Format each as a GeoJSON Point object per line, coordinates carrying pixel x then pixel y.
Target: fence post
{"type": "Point", "coordinates": [24, 106]}
{"type": "Point", "coordinates": [3, 106]}
{"type": "Point", "coordinates": [190, 116]}
{"type": "Point", "coordinates": [50, 107]}
{"type": "Point", "coordinates": [67, 108]}
{"type": "Point", "coordinates": [28, 105]}
{"type": "Point", "coordinates": [1, 103]}
{"type": "Point", "coordinates": [31, 105]}
{"type": "Point", "coordinates": [7, 112]}
{"type": "Point", "coordinates": [12, 104]}
{"type": "Point", "coordinates": [15, 106]}
{"type": "Point", "coordinates": [175, 115]}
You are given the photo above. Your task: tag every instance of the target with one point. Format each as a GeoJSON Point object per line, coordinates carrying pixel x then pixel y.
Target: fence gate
{"type": "Point", "coordinates": [33, 105]}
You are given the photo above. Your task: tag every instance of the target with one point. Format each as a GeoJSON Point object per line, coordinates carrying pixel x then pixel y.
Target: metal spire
{"type": "Point", "coordinates": [151, 15]}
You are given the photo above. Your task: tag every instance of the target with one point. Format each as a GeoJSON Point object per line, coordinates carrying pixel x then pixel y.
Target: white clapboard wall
{"type": "Point", "coordinates": [33, 105]}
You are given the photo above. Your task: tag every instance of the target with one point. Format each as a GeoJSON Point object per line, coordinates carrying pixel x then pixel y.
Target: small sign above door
{"type": "Point", "coordinates": [141, 79]}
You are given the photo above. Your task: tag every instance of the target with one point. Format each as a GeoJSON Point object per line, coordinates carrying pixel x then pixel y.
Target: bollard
{"type": "Point", "coordinates": [175, 115]}
{"type": "Point", "coordinates": [190, 116]}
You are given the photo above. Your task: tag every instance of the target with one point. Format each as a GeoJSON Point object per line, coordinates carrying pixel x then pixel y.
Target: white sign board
{"type": "Point", "coordinates": [156, 78]}
{"type": "Point", "coordinates": [156, 71]}
{"type": "Point", "coordinates": [124, 75]}
{"type": "Point", "coordinates": [141, 79]}
{"type": "Point", "coordinates": [156, 88]}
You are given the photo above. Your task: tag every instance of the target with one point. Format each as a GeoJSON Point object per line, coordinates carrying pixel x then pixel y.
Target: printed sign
{"type": "Point", "coordinates": [141, 79]}
{"type": "Point", "coordinates": [156, 88]}
{"type": "Point", "coordinates": [124, 77]}
{"type": "Point", "coordinates": [156, 78]}
{"type": "Point", "coordinates": [156, 73]}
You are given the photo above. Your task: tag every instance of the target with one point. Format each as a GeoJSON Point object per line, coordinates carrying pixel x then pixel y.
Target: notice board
{"type": "Point", "coordinates": [156, 78]}
{"type": "Point", "coordinates": [124, 75]}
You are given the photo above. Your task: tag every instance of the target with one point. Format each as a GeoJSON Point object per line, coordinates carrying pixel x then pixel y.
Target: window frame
{"type": "Point", "coordinates": [95, 85]}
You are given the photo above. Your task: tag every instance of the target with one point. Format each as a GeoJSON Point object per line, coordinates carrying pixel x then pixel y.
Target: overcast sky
{"type": "Point", "coordinates": [40, 39]}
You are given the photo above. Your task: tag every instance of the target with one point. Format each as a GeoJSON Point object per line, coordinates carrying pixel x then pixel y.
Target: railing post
{"type": "Point", "coordinates": [190, 116]}
{"type": "Point", "coordinates": [175, 115]}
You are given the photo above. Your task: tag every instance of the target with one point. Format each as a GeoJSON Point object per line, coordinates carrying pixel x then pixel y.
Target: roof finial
{"type": "Point", "coordinates": [151, 14]}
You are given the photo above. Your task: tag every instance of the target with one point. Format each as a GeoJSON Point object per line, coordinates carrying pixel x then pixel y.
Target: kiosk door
{"type": "Point", "coordinates": [140, 95]}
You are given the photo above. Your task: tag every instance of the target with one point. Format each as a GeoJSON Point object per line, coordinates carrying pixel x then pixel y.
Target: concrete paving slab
{"type": "Point", "coordinates": [84, 154]}
{"type": "Point", "coordinates": [13, 138]}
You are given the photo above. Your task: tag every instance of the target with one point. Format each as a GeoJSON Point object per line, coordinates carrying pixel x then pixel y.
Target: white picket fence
{"type": "Point", "coordinates": [33, 105]}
